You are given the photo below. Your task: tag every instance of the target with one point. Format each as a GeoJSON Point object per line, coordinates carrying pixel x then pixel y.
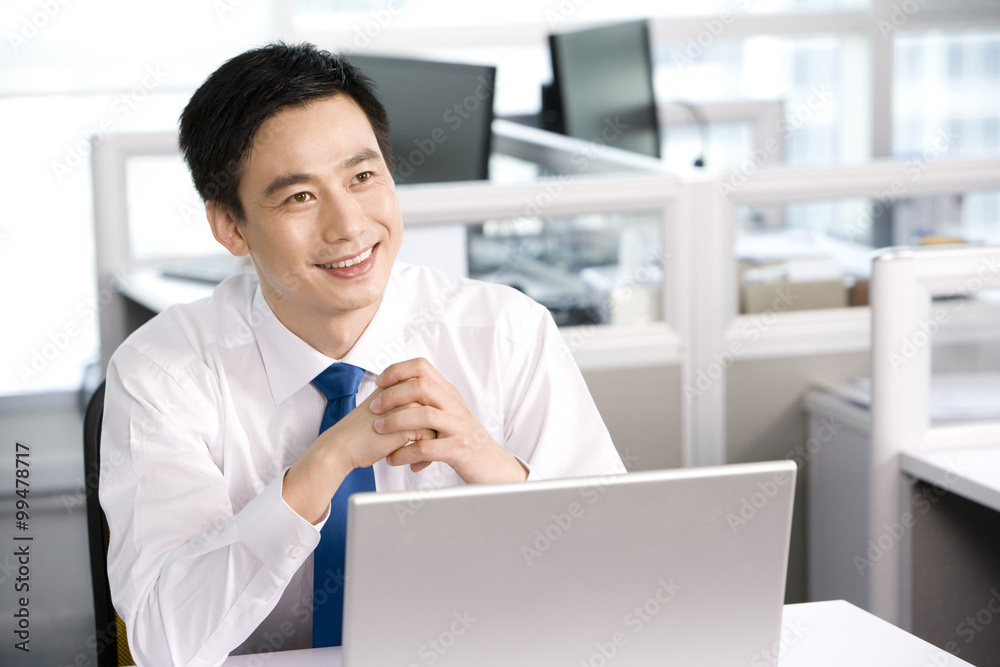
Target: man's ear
{"type": "Point", "coordinates": [225, 228]}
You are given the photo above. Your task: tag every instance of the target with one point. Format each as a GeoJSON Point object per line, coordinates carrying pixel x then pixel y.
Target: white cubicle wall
{"type": "Point", "coordinates": [719, 329]}
{"type": "Point", "coordinates": [753, 410]}
{"type": "Point", "coordinates": [905, 320]}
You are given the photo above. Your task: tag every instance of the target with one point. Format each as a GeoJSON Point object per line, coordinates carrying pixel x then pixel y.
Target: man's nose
{"type": "Point", "coordinates": [342, 218]}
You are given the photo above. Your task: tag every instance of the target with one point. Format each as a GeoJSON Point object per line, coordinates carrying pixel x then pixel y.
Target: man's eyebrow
{"type": "Point", "coordinates": [285, 180]}
{"type": "Point", "coordinates": [358, 158]}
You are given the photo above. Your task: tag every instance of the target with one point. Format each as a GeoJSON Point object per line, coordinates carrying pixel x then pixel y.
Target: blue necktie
{"type": "Point", "coordinates": [339, 383]}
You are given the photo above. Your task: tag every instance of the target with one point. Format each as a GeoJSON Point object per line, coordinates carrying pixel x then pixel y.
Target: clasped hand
{"type": "Point", "coordinates": [414, 417]}
{"type": "Point", "coordinates": [414, 400]}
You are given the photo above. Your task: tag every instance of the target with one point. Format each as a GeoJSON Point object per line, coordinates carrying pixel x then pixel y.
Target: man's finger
{"type": "Point", "coordinates": [416, 454]}
{"type": "Point", "coordinates": [407, 370]}
{"type": "Point", "coordinates": [410, 418]}
{"type": "Point", "coordinates": [411, 392]}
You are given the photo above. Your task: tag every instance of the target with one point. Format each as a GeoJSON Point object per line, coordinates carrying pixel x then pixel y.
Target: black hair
{"type": "Point", "coordinates": [221, 120]}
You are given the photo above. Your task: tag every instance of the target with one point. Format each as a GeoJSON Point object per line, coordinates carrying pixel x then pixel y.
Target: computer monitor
{"type": "Point", "coordinates": [602, 87]}
{"type": "Point", "coordinates": [440, 116]}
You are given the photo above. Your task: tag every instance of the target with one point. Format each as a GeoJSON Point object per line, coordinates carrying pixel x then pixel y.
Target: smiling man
{"type": "Point", "coordinates": [228, 514]}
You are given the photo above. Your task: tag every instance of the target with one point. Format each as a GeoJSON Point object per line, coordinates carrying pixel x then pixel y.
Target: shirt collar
{"type": "Point", "coordinates": [291, 363]}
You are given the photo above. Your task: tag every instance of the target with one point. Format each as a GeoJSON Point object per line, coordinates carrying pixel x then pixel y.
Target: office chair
{"type": "Point", "coordinates": [111, 641]}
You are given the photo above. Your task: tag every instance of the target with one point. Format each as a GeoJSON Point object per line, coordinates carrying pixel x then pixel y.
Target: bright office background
{"type": "Point", "coordinates": [69, 70]}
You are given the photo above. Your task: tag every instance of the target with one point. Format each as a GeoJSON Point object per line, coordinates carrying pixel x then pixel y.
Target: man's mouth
{"type": "Point", "coordinates": [349, 262]}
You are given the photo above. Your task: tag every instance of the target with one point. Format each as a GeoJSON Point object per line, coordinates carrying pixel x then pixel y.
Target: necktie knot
{"type": "Point", "coordinates": [339, 380]}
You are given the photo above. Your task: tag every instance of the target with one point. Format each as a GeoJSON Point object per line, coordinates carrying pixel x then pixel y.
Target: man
{"type": "Point", "coordinates": [221, 486]}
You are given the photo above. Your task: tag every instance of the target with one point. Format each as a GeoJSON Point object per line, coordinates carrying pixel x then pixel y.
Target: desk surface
{"type": "Point", "coordinates": [157, 292]}
{"type": "Point", "coordinates": [972, 472]}
{"type": "Point", "coordinates": [816, 634]}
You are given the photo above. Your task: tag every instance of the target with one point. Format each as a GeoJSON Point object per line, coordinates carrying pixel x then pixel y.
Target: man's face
{"type": "Point", "coordinates": [317, 195]}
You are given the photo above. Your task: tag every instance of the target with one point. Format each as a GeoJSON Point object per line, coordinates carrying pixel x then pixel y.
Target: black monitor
{"type": "Point", "coordinates": [440, 116]}
{"type": "Point", "coordinates": [602, 87]}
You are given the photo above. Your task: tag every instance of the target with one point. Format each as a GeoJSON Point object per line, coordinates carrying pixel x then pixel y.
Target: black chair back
{"type": "Point", "coordinates": [105, 619]}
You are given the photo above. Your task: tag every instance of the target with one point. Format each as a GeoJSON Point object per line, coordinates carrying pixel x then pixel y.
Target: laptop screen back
{"type": "Point", "coordinates": [677, 567]}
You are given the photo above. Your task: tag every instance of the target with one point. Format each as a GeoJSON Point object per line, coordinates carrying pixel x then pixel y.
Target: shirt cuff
{"type": "Point", "coordinates": [275, 533]}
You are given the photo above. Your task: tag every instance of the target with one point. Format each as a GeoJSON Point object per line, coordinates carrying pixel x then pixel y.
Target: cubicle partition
{"type": "Point", "coordinates": [782, 332]}
{"type": "Point", "coordinates": [915, 295]}
{"type": "Point", "coordinates": [767, 361]}
{"type": "Point", "coordinates": [904, 474]}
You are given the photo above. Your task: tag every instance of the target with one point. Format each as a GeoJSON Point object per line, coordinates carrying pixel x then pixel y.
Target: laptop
{"type": "Point", "coordinates": [673, 567]}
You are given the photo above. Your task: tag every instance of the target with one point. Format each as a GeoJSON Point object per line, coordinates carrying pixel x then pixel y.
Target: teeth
{"type": "Point", "coordinates": [350, 262]}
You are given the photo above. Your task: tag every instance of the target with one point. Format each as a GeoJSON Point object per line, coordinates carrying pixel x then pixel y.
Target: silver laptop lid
{"type": "Point", "coordinates": [675, 567]}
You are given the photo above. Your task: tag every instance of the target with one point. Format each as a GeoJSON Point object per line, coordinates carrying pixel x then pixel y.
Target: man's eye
{"type": "Point", "coordinates": [300, 197]}
{"type": "Point", "coordinates": [364, 176]}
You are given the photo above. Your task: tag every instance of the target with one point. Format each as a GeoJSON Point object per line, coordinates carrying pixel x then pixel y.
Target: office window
{"type": "Point", "coordinates": [46, 243]}
{"type": "Point", "coordinates": [804, 73]}
{"type": "Point", "coordinates": [981, 221]}
{"type": "Point", "coordinates": [452, 12]}
{"type": "Point", "coordinates": [953, 98]}
{"type": "Point", "coordinates": [46, 231]}
{"type": "Point", "coordinates": [955, 55]}
{"type": "Point", "coordinates": [909, 63]}
{"type": "Point", "coordinates": [991, 59]}
{"type": "Point", "coordinates": [948, 109]}
{"type": "Point", "coordinates": [991, 134]}
{"type": "Point", "coordinates": [811, 5]}
{"type": "Point", "coordinates": [166, 212]}
{"type": "Point", "coordinates": [90, 68]}
{"type": "Point", "coordinates": [343, 6]}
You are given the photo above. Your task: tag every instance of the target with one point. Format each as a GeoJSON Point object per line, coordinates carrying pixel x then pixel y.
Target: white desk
{"type": "Point", "coordinates": [817, 634]}
{"type": "Point", "coordinates": [955, 541]}
{"type": "Point", "coordinates": [972, 472]}
{"type": "Point", "coordinates": [157, 293]}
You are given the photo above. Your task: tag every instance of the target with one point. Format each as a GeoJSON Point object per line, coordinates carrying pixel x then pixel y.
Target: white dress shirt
{"type": "Point", "coordinates": [209, 403]}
